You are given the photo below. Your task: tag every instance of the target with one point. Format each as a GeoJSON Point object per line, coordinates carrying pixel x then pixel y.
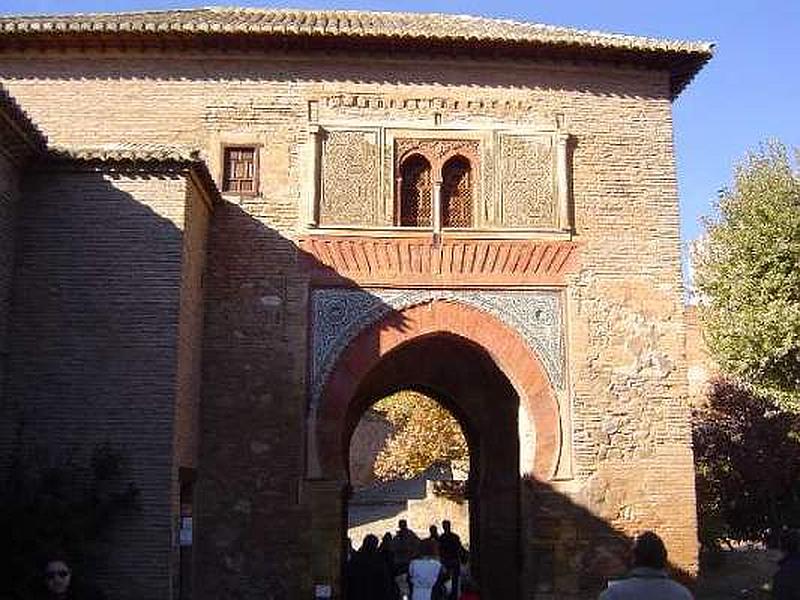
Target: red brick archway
{"type": "Point", "coordinates": [512, 356]}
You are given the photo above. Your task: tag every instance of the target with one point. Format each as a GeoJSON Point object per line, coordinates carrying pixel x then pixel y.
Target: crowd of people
{"type": "Point", "coordinates": [404, 566]}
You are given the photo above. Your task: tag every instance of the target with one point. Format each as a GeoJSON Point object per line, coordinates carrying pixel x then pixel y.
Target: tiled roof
{"type": "Point", "coordinates": [21, 121]}
{"type": "Point", "coordinates": [129, 151]}
{"type": "Point", "coordinates": [144, 154]}
{"type": "Point", "coordinates": [339, 23]}
{"type": "Point", "coordinates": [411, 28]}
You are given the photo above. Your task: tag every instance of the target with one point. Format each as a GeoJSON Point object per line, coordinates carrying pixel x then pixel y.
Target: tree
{"type": "Point", "coordinates": [425, 434]}
{"type": "Point", "coordinates": [747, 462]}
{"type": "Point", "coordinates": [748, 276]}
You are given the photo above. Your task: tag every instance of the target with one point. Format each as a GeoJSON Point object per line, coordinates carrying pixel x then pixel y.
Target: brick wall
{"type": "Point", "coordinates": [95, 328]}
{"type": "Point", "coordinates": [627, 371]}
{"type": "Point", "coordinates": [190, 327]}
{"type": "Point", "coordinates": [9, 198]}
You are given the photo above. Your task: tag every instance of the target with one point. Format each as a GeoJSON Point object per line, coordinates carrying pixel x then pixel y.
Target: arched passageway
{"type": "Point", "coordinates": [465, 379]}
{"type": "Point", "coordinates": [487, 376]}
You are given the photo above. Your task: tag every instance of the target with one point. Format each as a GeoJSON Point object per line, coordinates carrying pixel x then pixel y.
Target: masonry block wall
{"type": "Point", "coordinates": [629, 460]}
{"type": "Point", "coordinates": [97, 300]}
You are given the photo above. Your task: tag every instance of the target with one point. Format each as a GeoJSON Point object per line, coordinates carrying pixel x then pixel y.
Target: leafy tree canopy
{"type": "Point", "coordinates": [748, 276]}
{"type": "Point", "coordinates": [747, 464]}
{"type": "Point", "coordinates": [425, 434]}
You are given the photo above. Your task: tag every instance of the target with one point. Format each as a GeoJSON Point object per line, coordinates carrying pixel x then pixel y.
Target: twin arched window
{"type": "Point", "coordinates": [417, 192]}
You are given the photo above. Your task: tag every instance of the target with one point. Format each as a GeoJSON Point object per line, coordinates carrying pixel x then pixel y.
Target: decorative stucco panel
{"type": "Point", "coordinates": [338, 315]}
{"type": "Point", "coordinates": [527, 181]}
{"type": "Point", "coordinates": [350, 178]}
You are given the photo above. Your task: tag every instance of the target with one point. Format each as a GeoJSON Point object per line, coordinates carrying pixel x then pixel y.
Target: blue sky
{"type": "Point", "coordinates": [748, 93]}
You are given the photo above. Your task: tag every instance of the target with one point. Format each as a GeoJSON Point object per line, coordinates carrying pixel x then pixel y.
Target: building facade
{"type": "Point", "coordinates": [245, 226]}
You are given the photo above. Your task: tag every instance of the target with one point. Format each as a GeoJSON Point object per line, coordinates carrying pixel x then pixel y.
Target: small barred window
{"type": "Point", "coordinates": [239, 171]}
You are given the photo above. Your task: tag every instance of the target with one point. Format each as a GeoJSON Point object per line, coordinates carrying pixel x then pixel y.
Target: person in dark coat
{"type": "Point", "coordinates": [451, 552]}
{"type": "Point", "coordinates": [368, 576]}
{"type": "Point", "coordinates": [386, 550]}
{"type": "Point", "coordinates": [786, 582]}
{"type": "Point", "coordinates": [406, 547]}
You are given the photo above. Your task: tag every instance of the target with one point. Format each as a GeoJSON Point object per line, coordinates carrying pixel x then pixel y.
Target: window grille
{"type": "Point", "coordinates": [239, 171]}
{"type": "Point", "coordinates": [415, 192]}
{"type": "Point", "coordinates": [457, 193]}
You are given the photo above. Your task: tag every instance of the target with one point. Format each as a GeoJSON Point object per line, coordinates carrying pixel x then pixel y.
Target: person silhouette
{"type": "Point", "coordinates": [406, 546]}
{"type": "Point", "coordinates": [451, 551]}
{"type": "Point", "coordinates": [367, 575]}
{"type": "Point", "coordinates": [648, 577]}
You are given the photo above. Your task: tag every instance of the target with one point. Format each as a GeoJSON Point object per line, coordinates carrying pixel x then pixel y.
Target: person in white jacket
{"type": "Point", "coordinates": [424, 573]}
{"type": "Point", "coordinates": [648, 578]}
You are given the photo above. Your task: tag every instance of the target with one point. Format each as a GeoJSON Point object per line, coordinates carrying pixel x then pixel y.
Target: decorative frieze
{"type": "Point", "coordinates": [338, 315]}
{"type": "Point", "coordinates": [334, 260]}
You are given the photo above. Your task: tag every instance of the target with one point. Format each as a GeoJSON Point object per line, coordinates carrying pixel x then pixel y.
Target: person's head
{"type": "Point", "coordinates": [446, 526]}
{"type": "Point", "coordinates": [370, 543]}
{"type": "Point", "coordinates": [57, 575]}
{"type": "Point", "coordinates": [649, 551]}
{"type": "Point", "coordinates": [434, 531]}
{"type": "Point", "coordinates": [402, 524]}
{"type": "Point", "coordinates": [387, 538]}
{"type": "Point", "coordinates": [428, 548]}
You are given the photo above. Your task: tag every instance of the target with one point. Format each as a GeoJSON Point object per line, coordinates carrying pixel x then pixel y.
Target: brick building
{"type": "Point", "coordinates": [247, 225]}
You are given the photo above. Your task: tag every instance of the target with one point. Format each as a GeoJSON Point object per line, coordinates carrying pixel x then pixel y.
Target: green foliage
{"type": "Point", "coordinates": [748, 275]}
{"type": "Point", "coordinates": [58, 505]}
{"type": "Point", "coordinates": [747, 465]}
{"type": "Point", "coordinates": [425, 434]}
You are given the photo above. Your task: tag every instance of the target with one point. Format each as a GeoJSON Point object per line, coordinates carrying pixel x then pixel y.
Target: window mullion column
{"type": "Point", "coordinates": [437, 205]}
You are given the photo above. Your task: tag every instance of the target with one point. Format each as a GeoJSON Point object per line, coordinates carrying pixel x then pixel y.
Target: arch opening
{"type": "Point", "coordinates": [416, 192]}
{"type": "Point", "coordinates": [409, 460]}
{"type": "Point", "coordinates": [457, 192]}
{"type": "Point", "coordinates": [466, 381]}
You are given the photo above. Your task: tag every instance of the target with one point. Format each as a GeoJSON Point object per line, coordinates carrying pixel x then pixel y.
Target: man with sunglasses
{"type": "Point", "coordinates": [59, 583]}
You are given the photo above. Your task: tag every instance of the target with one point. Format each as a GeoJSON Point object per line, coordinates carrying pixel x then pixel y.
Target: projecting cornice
{"type": "Point", "coordinates": [449, 263]}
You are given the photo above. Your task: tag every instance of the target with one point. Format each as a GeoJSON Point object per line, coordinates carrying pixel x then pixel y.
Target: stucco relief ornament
{"type": "Point", "coordinates": [338, 315]}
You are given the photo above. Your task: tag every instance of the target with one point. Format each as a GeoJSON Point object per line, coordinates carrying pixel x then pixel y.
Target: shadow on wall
{"type": "Point", "coordinates": [106, 332]}
{"type": "Point", "coordinates": [256, 518]}
{"type": "Point", "coordinates": [96, 304]}
{"type": "Point", "coordinates": [574, 552]}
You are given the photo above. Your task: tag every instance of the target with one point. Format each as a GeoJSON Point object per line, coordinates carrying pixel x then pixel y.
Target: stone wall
{"type": "Point", "coordinates": [701, 367]}
{"type": "Point", "coordinates": [625, 399]}
{"type": "Point", "coordinates": [418, 501]}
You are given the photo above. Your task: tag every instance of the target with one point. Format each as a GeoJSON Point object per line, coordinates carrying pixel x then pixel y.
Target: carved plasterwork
{"type": "Point", "coordinates": [527, 181]}
{"type": "Point", "coordinates": [338, 315]}
{"type": "Point", "coordinates": [437, 151]}
{"type": "Point", "coordinates": [350, 193]}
